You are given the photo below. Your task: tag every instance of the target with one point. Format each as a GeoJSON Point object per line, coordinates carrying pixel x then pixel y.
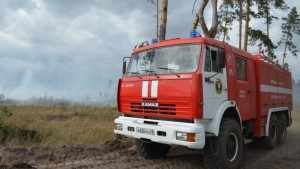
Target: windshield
{"type": "Point", "coordinates": [166, 60]}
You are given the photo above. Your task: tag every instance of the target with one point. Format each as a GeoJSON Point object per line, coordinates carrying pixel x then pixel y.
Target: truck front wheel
{"type": "Point", "coordinates": [225, 151]}
{"type": "Point", "coordinates": [151, 150]}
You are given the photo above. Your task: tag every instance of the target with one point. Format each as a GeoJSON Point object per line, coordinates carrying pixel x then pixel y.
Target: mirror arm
{"type": "Point", "coordinates": [207, 79]}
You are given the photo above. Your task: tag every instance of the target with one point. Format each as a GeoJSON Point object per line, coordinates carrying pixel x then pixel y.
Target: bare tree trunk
{"type": "Point", "coordinates": [268, 32]}
{"type": "Point", "coordinates": [213, 30]}
{"type": "Point", "coordinates": [214, 26]}
{"type": "Point", "coordinates": [247, 25]}
{"type": "Point", "coordinates": [163, 20]}
{"type": "Point", "coordinates": [224, 34]}
{"type": "Point", "coordinates": [285, 47]}
{"type": "Point", "coordinates": [225, 25]}
{"type": "Point", "coordinates": [201, 18]}
{"type": "Point", "coordinates": [240, 23]}
{"type": "Point", "coordinates": [157, 18]}
{"type": "Point", "coordinates": [195, 24]}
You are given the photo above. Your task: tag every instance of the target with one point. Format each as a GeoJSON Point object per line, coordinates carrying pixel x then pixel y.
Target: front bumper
{"type": "Point", "coordinates": [170, 128]}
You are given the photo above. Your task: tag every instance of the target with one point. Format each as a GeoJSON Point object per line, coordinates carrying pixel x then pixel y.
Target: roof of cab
{"type": "Point", "coordinates": [203, 40]}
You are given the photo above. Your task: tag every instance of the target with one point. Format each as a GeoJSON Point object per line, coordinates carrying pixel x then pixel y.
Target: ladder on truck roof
{"type": "Point", "coordinates": [264, 58]}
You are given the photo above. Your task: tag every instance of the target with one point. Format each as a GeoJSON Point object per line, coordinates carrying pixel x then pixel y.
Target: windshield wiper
{"type": "Point", "coordinates": [136, 73]}
{"type": "Point", "coordinates": [171, 70]}
{"type": "Point", "coordinates": [151, 71]}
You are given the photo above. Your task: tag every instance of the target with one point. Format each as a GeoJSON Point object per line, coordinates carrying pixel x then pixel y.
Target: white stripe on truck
{"type": "Point", "coordinates": [273, 89]}
{"type": "Point", "coordinates": [154, 88]}
{"type": "Point", "coordinates": [145, 89]}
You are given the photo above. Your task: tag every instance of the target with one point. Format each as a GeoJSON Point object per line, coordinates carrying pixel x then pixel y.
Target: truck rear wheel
{"type": "Point", "coordinates": [281, 127]}
{"type": "Point", "coordinates": [224, 151]}
{"type": "Point", "coordinates": [270, 141]}
{"type": "Point", "coordinates": [151, 150]}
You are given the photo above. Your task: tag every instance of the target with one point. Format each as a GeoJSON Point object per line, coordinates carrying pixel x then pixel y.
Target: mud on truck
{"type": "Point", "coordinates": [203, 94]}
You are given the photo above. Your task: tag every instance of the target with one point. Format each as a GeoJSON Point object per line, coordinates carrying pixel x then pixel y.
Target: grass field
{"type": "Point", "coordinates": [61, 125]}
{"type": "Point", "coordinates": [65, 125]}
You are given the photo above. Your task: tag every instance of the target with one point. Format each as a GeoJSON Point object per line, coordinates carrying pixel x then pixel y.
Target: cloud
{"type": "Point", "coordinates": [62, 52]}
{"type": "Point", "coordinates": [73, 48]}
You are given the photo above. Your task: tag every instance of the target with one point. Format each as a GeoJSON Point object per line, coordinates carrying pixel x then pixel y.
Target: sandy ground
{"type": "Point", "coordinates": [285, 156]}
{"type": "Point", "coordinates": [121, 154]}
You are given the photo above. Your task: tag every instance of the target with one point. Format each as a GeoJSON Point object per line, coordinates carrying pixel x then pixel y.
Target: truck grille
{"type": "Point", "coordinates": [168, 109]}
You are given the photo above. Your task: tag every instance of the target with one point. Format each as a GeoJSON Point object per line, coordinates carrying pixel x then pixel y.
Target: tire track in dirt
{"type": "Point", "coordinates": [286, 155]}
{"type": "Point", "coordinates": [119, 153]}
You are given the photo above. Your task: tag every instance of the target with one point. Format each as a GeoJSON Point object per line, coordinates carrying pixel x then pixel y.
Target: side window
{"type": "Point", "coordinates": [214, 61]}
{"type": "Point", "coordinates": [241, 69]}
{"type": "Point", "coordinates": [211, 61]}
{"type": "Point", "coordinates": [207, 66]}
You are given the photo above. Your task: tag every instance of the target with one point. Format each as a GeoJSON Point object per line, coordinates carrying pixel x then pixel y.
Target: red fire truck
{"type": "Point", "coordinates": [203, 94]}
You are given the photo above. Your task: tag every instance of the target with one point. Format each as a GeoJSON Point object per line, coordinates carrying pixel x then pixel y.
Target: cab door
{"type": "Point", "coordinates": [245, 87]}
{"type": "Point", "coordinates": [214, 83]}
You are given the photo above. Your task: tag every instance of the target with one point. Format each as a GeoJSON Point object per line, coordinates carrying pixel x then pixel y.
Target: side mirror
{"type": "Point", "coordinates": [124, 64]}
{"type": "Point", "coordinates": [221, 61]}
{"type": "Point", "coordinates": [124, 67]}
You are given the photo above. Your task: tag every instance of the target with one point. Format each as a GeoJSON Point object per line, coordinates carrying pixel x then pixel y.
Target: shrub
{"type": "Point", "coordinates": [4, 128]}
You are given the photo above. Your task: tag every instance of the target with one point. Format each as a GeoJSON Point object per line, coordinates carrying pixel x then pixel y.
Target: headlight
{"type": "Point", "coordinates": [119, 126]}
{"type": "Point", "coordinates": [181, 136]}
{"type": "Point", "coordinates": [191, 137]}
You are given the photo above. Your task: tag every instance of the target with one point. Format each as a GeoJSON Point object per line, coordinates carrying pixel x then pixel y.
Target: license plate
{"type": "Point", "coordinates": [145, 131]}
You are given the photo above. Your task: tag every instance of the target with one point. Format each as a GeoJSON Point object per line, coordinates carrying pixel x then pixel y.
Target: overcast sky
{"type": "Point", "coordinates": [73, 48]}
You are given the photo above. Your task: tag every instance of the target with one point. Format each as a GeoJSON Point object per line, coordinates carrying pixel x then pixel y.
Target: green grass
{"type": "Point", "coordinates": [61, 125]}
{"type": "Point", "coordinates": [65, 125]}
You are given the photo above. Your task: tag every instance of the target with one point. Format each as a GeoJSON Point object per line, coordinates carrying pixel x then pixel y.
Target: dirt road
{"type": "Point", "coordinates": [121, 154]}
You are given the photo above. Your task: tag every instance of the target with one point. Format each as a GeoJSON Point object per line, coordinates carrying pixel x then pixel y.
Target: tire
{"type": "Point", "coordinates": [209, 154]}
{"type": "Point", "coordinates": [270, 141]}
{"type": "Point", "coordinates": [224, 151]}
{"type": "Point", "coordinates": [151, 150]}
{"type": "Point", "coordinates": [282, 124]}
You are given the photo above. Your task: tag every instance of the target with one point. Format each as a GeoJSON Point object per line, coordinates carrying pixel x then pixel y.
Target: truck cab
{"type": "Point", "coordinates": [194, 92]}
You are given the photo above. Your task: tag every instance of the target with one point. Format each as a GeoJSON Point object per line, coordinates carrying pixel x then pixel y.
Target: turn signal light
{"type": "Point", "coordinates": [191, 137]}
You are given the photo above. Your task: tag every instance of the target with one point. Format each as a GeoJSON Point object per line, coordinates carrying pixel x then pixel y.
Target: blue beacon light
{"type": "Point", "coordinates": [154, 41]}
{"type": "Point", "coordinates": [193, 34]}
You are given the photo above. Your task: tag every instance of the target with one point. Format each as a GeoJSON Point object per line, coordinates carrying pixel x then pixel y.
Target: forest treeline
{"type": "Point", "coordinates": [242, 12]}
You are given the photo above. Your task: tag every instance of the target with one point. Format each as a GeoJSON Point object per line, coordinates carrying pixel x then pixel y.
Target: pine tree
{"type": "Point", "coordinates": [263, 40]}
{"type": "Point", "coordinates": [264, 11]}
{"type": "Point", "coordinates": [240, 13]}
{"type": "Point", "coordinates": [249, 3]}
{"type": "Point", "coordinates": [290, 27]}
{"type": "Point", "coordinates": [226, 17]}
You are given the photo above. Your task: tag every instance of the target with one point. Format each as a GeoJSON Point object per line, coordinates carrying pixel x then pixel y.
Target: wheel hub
{"type": "Point", "coordinates": [231, 147]}
{"type": "Point", "coordinates": [273, 132]}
